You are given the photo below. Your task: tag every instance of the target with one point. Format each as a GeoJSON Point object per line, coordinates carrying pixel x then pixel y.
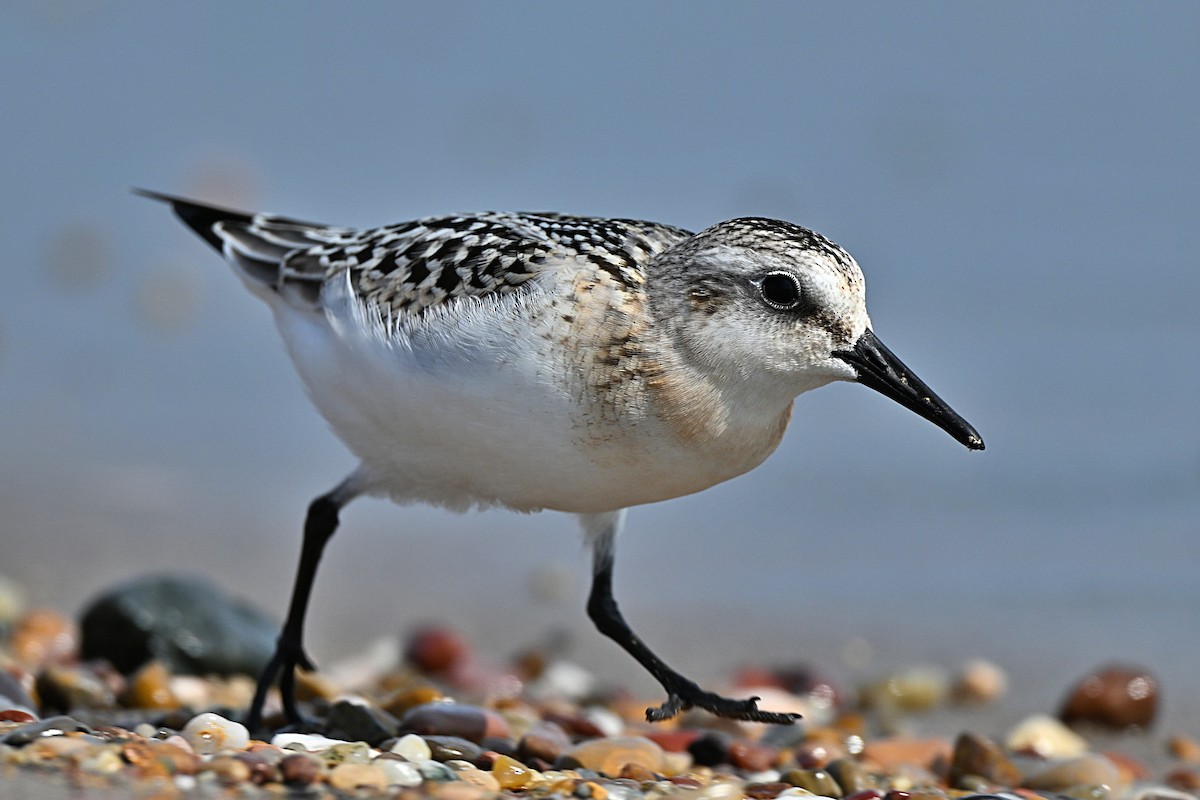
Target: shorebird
{"type": "Point", "coordinates": [544, 361]}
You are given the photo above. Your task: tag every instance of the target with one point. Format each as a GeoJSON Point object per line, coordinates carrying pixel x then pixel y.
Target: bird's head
{"type": "Point", "coordinates": [771, 309]}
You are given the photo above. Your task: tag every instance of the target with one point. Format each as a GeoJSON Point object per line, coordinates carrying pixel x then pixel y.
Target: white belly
{"type": "Point", "coordinates": [481, 411]}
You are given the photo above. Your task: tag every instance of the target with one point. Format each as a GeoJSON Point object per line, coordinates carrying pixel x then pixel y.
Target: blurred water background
{"type": "Point", "coordinates": [1020, 182]}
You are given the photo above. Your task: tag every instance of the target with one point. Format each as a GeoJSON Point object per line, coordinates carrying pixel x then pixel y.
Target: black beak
{"type": "Point", "coordinates": [878, 368]}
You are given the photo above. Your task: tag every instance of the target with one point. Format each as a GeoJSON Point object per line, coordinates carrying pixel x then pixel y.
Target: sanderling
{"type": "Point", "coordinates": [544, 361]}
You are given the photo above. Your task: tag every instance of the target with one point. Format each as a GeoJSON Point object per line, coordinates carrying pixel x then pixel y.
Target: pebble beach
{"type": "Point", "coordinates": [432, 717]}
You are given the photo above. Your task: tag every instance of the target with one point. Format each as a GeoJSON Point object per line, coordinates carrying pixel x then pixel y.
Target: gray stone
{"type": "Point", "coordinates": [51, 726]}
{"type": "Point", "coordinates": [354, 722]}
{"type": "Point", "coordinates": [188, 623]}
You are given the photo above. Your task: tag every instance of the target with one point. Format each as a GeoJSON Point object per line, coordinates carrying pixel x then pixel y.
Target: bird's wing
{"type": "Point", "coordinates": [404, 269]}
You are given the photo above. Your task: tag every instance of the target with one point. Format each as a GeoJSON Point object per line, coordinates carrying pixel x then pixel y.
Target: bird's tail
{"type": "Point", "coordinates": [268, 251]}
{"type": "Point", "coordinates": [199, 217]}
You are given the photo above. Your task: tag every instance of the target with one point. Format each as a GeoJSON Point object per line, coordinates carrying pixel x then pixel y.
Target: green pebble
{"type": "Point", "coordinates": [348, 753]}
{"type": "Point", "coordinates": [850, 775]}
{"type": "Point", "coordinates": [817, 781]}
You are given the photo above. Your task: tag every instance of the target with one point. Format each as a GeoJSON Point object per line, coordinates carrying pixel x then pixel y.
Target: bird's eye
{"type": "Point", "coordinates": [780, 291]}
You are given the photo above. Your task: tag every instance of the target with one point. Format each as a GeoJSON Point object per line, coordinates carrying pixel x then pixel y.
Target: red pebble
{"type": "Point", "coordinates": [675, 741]}
{"type": "Point", "coordinates": [16, 715]}
{"type": "Point", "coordinates": [752, 756]}
{"type": "Point", "coordinates": [455, 719]}
{"type": "Point", "coordinates": [868, 794]}
{"type": "Point", "coordinates": [1114, 697]}
{"type": "Point", "coordinates": [435, 649]}
{"type": "Point", "coordinates": [754, 677]}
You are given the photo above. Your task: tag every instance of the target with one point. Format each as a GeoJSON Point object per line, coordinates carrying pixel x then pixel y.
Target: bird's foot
{"type": "Point", "coordinates": [682, 695]}
{"type": "Point", "coordinates": [288, 657]}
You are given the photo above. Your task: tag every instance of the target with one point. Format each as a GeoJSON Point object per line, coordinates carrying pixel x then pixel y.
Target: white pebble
{"type": "Point", "coordinates": [1047, 737]}
{"type": "Point", "coordinates": [562, 679]}
{"type": "Point", "coordinates": [979, 681]}
{"type": "Point", "coordinates": [766, 776]}
{"type": "Point", "coordinates": [1162, 793]}
{"type": "Point", "coordinates": [399, 773]}
{"type": "Point", "coordinates": [306, 742]}
{"type": "Point", "coordinates": [207, 733]}
{"type": "Point", "coordinates": [190, 690]}
{"type": "Point", "coordinates": [413, 748]}
{"type": "Point", "coordinates": [607, 721]}
{"type": "Point", "coordinates": [721, 791]}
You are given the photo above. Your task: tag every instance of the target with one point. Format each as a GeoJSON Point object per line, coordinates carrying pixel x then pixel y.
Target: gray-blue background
{"type": "Point", "coordinates": [1020, 182]}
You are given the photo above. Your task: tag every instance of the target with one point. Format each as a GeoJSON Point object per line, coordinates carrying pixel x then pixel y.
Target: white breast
{"type": "Point", "coordinates": [478, 407]}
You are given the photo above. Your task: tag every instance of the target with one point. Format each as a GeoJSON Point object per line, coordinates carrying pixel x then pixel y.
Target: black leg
{"type": "Point", "coordinates": [682, 693]}
{"type": "Point", "coordinates": [319, 525]}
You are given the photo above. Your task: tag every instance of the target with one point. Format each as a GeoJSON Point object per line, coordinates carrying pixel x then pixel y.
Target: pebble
{"type": "Point", "coordinates": [150, 687]}
{"type": "Point", "coordinates": [229, 771]}
{"type": "Point", "coordinates": [12, 600]}
{"type": "Point", "coordinates": [1087, 770]}
{"type": "Point", "coordinates": [412, 747]}
{"type": "Point", "coordinates": [17, 715]}
{"type": "Point", "coordinates": [609, 723]}
{"type": "Point", "coordinates": [608, 756]}
{"type": "Point", "coordinates": [356, 722]}
{"type": "Point", "coordinates": [103, 761]}
{"type": "Point", "coordinates": [710, 749]}
{"type": "Point", "coordinates": [676, 740]}
{"type": "Point", "coordinates": [676, 763]}
{"type": "Point", "coordinates": [458, 791]}
{"type": "Point", "coordinates": [63, 689]}
{"type": "Point", "coordinates": [888, 754]}
{"type": "Point", "coordinates": [976, 756]}
{"type": "Point", "coordinates": [51, 726]}
{"type": "Point", "coordinates": [1181, 789]}
{"type": "Point", "coordinates": [189, 624]}
{"type": "Point", "coordinates": [399, 773]}
{"type": "Point", "coordinates": [435, 650]}
{"type": "Point", "coordinates": [435, 771]}
{"type": "Point", "coordinates": [1129, 769]}
{"type": "Point", "coordinates": [916, 689]}
{"type": "Point", "coordinates": [562, 679]}
{"type": "Point", "coordinates": [545, 740]}
{"type": "Point", "coordinates": [1184, 748]}
{"type": "Point", "coordinates": [300, 769]}
{"type": "Point", "coordinates": [865, 794]}
{"type": "Point", "coordinates": [13, 695]}
{"type": "Point", "coordinates": [817, 781]}
{"type": "Point", "coordinates": [764, 790]}
{"type": "Point", "coordinates": [209, 733]}
{"type": "Point", "coordinates": [452, 748]}
{"type": "Point", "coordinates": [404, 699]}
{"type": "Point", "coordinates": [752, 756]}
{"type": "Point", "coordinates": [850, 775]}
{"type": "Point", "coordinates": [1113, 697]}
{"type": "Point", "coordinates": [481, 778]}
{"type": "Point", "coordinates": [357, 777]}
{"type": "Point", "coordinates": [347, 753]}
{"type": "Point", "coordinates": [263, 768]}
{"type": "Point", "coordinates": [978, 682]}
{"type": "Point", "coordinates": [500, 742]}
{"type": "Point", "coordinates": [1045, 736]}
{"type": "Point", "coordinates": [307, 742]}
{"type": "Point", "coordinates": [454, 719]}
{"type": "Point", "coordinates": [42, 637]}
